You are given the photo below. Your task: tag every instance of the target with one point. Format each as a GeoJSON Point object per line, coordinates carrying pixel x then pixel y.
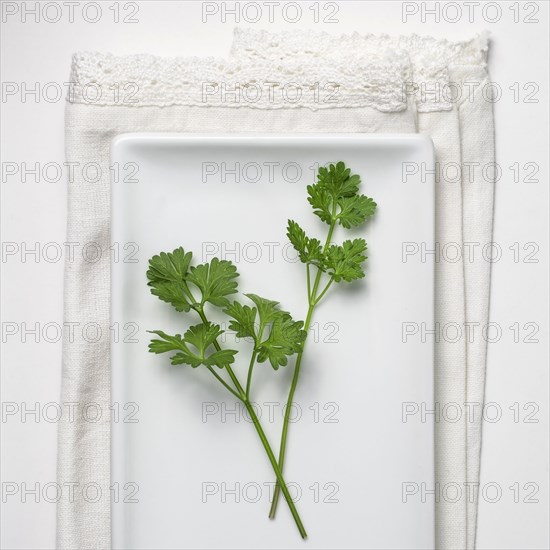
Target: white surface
{"type": "Point", "coordinates": [364, 370]}
{"type": "Point", "coordinates": [35, 212]}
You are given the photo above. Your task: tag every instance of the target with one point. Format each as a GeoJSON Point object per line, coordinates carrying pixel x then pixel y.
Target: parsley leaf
{"type": "Point", "coordinates": [171, 292]}
{"type": "Point", "coordinates": [243, 320]}
{"type": "Point", "coordinates": [286, 338]}
{"type": "Point", "coordinates": [309, 249]}
{"type": "Point", "coordinates": [168, 343]}
{"type": "Point", "coordinates": [170, 272]}
{"type": "Point", "coordinates": [203, 335]}
{"type": "Point", "coordinates": [200, 337]}
{"type": "Point", "coordinates": [167, 272]}
{"type": "Point", "coordinates": [321, 200]}
{"type": "Point", "coordinates": [338, 180]}
{"type": "Point", "coordinates": [215, 280]}
{"type": "Point", "coordinates": [345, 262]}
{"type": "Point", "coordinates": [169, 266]}
{"type": "Point", "coordinates": [355, 210]}
{"type": "Point", "coordinates": [267, 309]}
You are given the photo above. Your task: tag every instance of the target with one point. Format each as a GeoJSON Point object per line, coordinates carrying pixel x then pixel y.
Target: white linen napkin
{"type": "Point", "coordinates": [172, 98]}
{"type": "Point", "coordinates": [186, 95]}
{"type": "Point", "coordinates": [452, 89]}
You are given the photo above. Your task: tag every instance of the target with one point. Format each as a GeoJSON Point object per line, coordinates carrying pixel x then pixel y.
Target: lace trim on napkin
{"type": "Point", "coordinates": [146, 80]}
{"type": "Point", "coordinates": [430, 57]}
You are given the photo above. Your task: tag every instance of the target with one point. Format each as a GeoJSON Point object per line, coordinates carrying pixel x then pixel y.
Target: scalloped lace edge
{"type": "Point", "coordinates": [430, 58]}
{"type": "Point", "coordinates": [425, 51]}
{"type": "Point", "coordinates": [377, 81]}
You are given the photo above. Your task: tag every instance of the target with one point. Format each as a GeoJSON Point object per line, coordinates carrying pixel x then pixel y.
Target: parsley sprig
{"type": "Point", "coordinates": [335, 199]}
{"type": "Point", "coordinates": [276, 336]}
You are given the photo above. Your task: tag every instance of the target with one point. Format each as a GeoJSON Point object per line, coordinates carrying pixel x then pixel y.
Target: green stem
{"type": "Point", "coordinates": [324, 291]}
{"type": "Point", "coordinates": [280, 481]}
{"type": "Point", "coordinates": [313, 300]}
{"type": "Point", "coordinates": [189, 294]}
{"type": "Point", "coordinates": [227, 386]}
{"type": "Point", "coordinates": [250, 369]}
{"type": "Point", "coordinates": [286, 420]}
{"type": "Point", "coordinates": [199, 310]}
{"type": "Point", "coordinates": [308, 282]}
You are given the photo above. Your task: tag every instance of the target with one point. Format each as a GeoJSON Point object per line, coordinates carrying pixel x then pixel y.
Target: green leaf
{"type": "Point", "coordinates": [200, 337]}
{"type": "Point", "coordinates": [220, 358]}
{"type": "Point", "coordinates": [243, 320]}
{"type": "Point", "coordinates": [268, 310]}
{"type": "Point", "coordinates": [338, 180]}
{"type": "Point", "coordinates": [169, 266]}
{"type": "Point", "coordinates": [185, 358]}
{"type": "Point", "coordinates": [168, 343]}
{"type": "Point", "coordinates": [171, 292]}
{"type": "Point", "coordinates": [167, 273]}
{"type": "Point", "coordinates": [286, 338]}
{"type": "Point", "coordinates": [174, 343]}
{"type": "Point", "coordinates": [215, 280]}
{"type": "Point", "coordinates": [321, 200]}
{"type": "Point", "coordinates": [355, 210]}
{"type": "Point", "coordinates": [345, 262]}
{"type": "Point", "coordinates": [283, 334]}
{"type": "Point", "coordinates": [309, 250]}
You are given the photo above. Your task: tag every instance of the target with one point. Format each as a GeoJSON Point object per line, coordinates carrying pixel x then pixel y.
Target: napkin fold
{"type": "Point", "coordinates": [295, 82]}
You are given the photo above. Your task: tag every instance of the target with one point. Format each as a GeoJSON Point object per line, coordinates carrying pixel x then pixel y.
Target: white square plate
{"type": "Point", "coordinates": [182, 446]}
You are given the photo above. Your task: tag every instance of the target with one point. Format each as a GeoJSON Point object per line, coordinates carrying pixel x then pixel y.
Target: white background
{"type": "Point", "coordinates": [32, 131]}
